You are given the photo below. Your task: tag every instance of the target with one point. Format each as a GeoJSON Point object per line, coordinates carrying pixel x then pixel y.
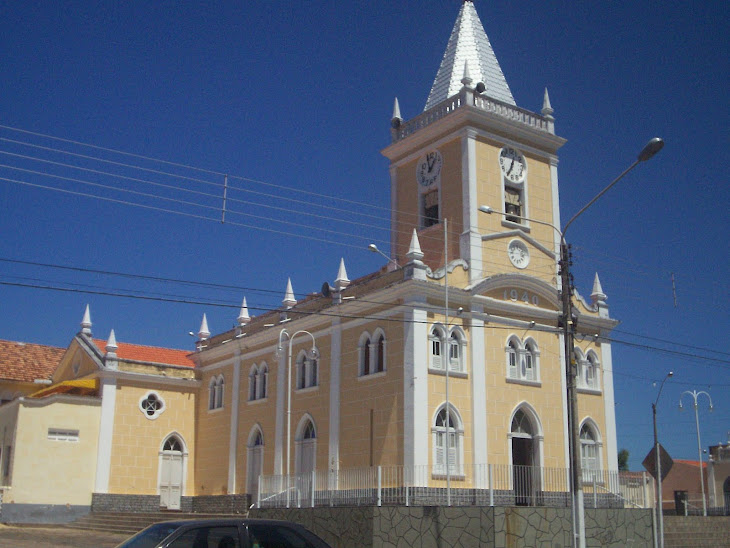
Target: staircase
{"type": "Point", "coordinates": [696, 531]}
{"type": "Point", "coordinates": [129, 523]}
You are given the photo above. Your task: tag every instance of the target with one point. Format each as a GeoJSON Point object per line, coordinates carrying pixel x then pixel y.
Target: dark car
{"type": "Point", "coordinates": [225, 533]}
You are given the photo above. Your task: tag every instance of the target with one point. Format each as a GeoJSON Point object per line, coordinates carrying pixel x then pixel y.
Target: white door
{"type": "Point", "coordinates": [255, 466]}
{"type": "Point", "coordinates": [171, 473]}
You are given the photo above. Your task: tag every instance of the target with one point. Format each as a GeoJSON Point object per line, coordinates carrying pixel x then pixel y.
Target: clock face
{"type": "Point", "coordinates": [518, 253]}
{"type": "Point", "coordinates": [428, 169]}
{"type": "Point", "coordinates": [513, 164]}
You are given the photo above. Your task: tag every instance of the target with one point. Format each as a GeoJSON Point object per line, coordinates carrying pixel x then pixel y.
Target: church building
{"type": "Point", "coordinates": [447, 361]}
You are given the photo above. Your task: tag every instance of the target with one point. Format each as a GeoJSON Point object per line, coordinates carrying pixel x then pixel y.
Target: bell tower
{"type": "Point", "coordinates": [472, 146]}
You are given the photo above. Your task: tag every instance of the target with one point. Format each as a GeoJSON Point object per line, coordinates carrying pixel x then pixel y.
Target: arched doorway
{"type": "Point", "coordinates": [255, 461]}
{"type": "Point", "coordinates": [525, 458]}
{"type": "Point", "coordinates": [171, 468]}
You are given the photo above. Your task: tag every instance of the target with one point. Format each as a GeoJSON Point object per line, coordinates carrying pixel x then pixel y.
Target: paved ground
{"type": "Point", "coordinates": [56, 537]}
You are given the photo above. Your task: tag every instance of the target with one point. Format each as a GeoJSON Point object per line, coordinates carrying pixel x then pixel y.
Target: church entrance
{"type": "Point", "coordinates": [525, 474]}
{"type": "Point", "coordinates": [171, 474]}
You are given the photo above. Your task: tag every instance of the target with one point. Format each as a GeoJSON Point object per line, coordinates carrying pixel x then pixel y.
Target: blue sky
{"type": "Point", "coordinates": [293, 102]}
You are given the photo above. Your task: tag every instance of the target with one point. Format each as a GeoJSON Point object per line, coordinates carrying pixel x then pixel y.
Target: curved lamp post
{"type": "Point", "coordinates": [313, 355]}
{"type": "Point", "coordinates": [696, 395]}
{"type": "Point", "coordinates": [658, 465]}
{"type": "Point", "coordinates": [649, 150]}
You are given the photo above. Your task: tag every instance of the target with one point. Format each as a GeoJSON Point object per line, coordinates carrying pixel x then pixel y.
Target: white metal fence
{"type": "Point", "coordinates": [477, 485]}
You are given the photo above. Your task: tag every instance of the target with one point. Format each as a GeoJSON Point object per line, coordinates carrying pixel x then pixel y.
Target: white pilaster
{"type": "Point", "coordinates": [415, 385]}
{"type": "Point", "coordinates": [334, 418]}
{"type": "Point", "coordinates": [279, 441]}
{"type": "Point", "coordinates": [478, 376]}
{"type": "Point", "coordinates": [106, 434]}
{"type": "Point", "coordinates": [611, 444]}
{"type": "Point", "coordinates": [233, 437]}
{"type": "Point", "coordinates": [471, 241]}
{"type": "Point", "coordinates": [395, 228]}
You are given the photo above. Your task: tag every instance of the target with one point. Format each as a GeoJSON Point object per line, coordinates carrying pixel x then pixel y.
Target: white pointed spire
{"type": "Point", "coordinates": [342, 281]}
{"type": "Point", "coordinates": [111, 343]}
{"type": "Point", "coordinates": [468, 41]}
{"type": "Point", "coordinates": [289, 299]}
{"type": "Point", "coordinates": [396, 110]}
{"type": "Point", "coordinates": [597, 295]}
{"type": "Point", "coordinates": [86, 322]}
{"type": "Point", "coordinates": [414, 250]}
{"type": "Point", "coordinates": [547, 109]}
{"type": "Point", "coordinates": [204, 332]}
{"type": "Point", "coordinates": [243, 317]}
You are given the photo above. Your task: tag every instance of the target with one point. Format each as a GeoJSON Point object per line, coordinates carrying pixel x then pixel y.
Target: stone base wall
{"type": "Point", "coordinates": [438, 526]}
{"type": "Point", "coordinates": [221, 504]}
{"type": "Point", "coordinates": [41, 513]}
{"type": "Point", "coordinates": [140, 504]}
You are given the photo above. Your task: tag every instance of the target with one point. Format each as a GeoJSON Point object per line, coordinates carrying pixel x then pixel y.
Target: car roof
{"type": "Point", "coordinates": [226, 521]}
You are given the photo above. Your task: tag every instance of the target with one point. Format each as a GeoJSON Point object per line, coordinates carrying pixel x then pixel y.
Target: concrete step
{"type": "Point", "coordinates": [130, 523]}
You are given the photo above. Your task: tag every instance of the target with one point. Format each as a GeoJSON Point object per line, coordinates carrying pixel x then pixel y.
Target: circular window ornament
{"type": "Point", "coordinates": [151, 405]}
{"type": "Point", "coordinates": [518, 254]}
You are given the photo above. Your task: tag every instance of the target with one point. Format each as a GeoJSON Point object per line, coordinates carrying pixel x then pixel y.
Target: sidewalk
{"type": "Point", "coordinates": [56, 537]}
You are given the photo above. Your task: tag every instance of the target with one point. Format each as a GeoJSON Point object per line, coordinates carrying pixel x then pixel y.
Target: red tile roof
{"type": "Point", "coordinates": [691, 462]}
{"type": "Point", "coordinates": [149, 354]}
{"type": "Point", "coordinates": [26, 362]}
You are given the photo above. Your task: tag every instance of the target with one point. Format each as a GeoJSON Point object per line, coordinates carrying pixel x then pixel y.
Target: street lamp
{"type": "Point", "coordinates": [658, 465]}
{"type": "Point", "coordinates": [696, 395]}
{"type": "Point", "coordinates": [374, 249]}
{"type": "Point", "coordinates": [313, 355]}
{"type": "Point", "coordinates": [649, 150]}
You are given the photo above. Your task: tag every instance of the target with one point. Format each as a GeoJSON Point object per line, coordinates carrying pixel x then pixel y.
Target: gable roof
{"type": "Point", "coordinates": [26, 362]}
{"type": "Point", "coordinates": [469, 42]}
{"type": "Point", "coordinates": [148, 354]}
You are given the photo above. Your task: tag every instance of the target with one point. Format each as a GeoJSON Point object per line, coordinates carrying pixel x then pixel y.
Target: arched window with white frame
{"type": "Point", "coordinates": [219, 392]}
{"type": "Point", "coordinates": [364, 354]}
{"type": "Point", "coordinates": [263, 381]}
{"type": "Point", "coordinates": [255, 460]}
{"type": "Point", "coordinates": [436, 339]}
{"type": "Point", "coordinates": [457, 349]}
{"type": "Point", "coordinates": [592, 371]}
{"type": "Point", "coordinates": [590, 451]}
{"type": "Point", "coordinates": [252, 382]}
{"type": "Point", "coordinates": [306, 446]}
{"type": "Point", "coordinates": [447, 433]}
{"type": "Point", "coordinates": [301, 370]}
{"type": "Point", "coordinates": [513, 352]}
{"type": "Point", "coordinates": [212, 392]}
{"type": "Point", "coordinates": [531, 362]}
{"type": "Point", "coordinates": [378, 351]}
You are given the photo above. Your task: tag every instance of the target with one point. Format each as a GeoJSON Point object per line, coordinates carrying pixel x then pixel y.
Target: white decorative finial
{"type": "Point", "coordinates": [111, 344]}
{"type": "Point", "coordinates": [243, 317]}
{"type": "Point", "coordinates": [466, 80]}
{"type": "Point", "coordinates": [289, 299]}
{"type": "Point", "coordinates": [342, 281]}
{"type": "Point", "coordinates": [547, 109]}
{"type": "Point", "coordinates": [204, 332]}
{"type": "Point", "coordinates": [86, 322]}
{"type": "Point", "coordinates": [597, 295]}
{"type": "Point", "coordinates": [414, 250]}
{"type": "Point", "coordinates": [396, 110]}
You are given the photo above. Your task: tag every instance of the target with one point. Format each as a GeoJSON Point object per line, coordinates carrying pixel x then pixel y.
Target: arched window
{"type": "Point", "coordinates": [306, 442]}
{"type": "Point", "coordinates": [592, 372]}
{"type": "Point", "coordinates": [255, 461]}
{"type": "Point", "coordinates": [172, 444]}
{"type": "Point", "coordinates": [590, 452]}
{"type": "Point", "coordinates": [457, 347]}
{"type": "Point", "coordinates": [219, 393]}
{"type": "Point", "coordinates": [513, 354]}
{"type": "Point", "coordinates": [211, 392]}
{"type": "Point", "coordinates": [379, 352]}
{"type": "Point", "coordinates": [263, 381]}
{"type": "Point", "coordinates": [307, 371]}
{"type": "Point", "coordinates": [448, 442]}
{"type": "Point", "coordinates": [531, 361]}
{"type": "Point", "coordinates": [252, 381]}
{"type": "Point", "coordinates": [364, 353]}
{"type": "Point", "coordinates": [436, 340]}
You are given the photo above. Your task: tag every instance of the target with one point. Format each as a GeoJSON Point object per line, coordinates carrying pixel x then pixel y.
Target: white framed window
{"type": "Point", "coordinates": [63, 434]}
{"type": "Point", "coordinates": [378, 352]}
{"type": "Point", "coordinates": [152, 405]}
{"type": "Point", "coordinates": [306, 446]}
{"type": "Point", "coordinates": [448, 442]}
{"type": "Point", "coordinates": [522, 360]}
{"type": "Point", "coordinates": [215, 393]}
{"type": "Point", "coordinates": [253, 376]}
{"type": "Point", "coordinates": [371, 353]}
{"type": "Point", "coordinates": [457, 349]}
{"type": "Point", "coordinates": [262, 386]}
{"type": "Point", "coordinates": [436, 343]}
{"type": "Point", "coordinates": [590, 452]}
{"type": "Point", "coordinates": [364, 352]}
{"type": "Point", "coordinates": [307, 371]}
{"type": "Point", "coordinates": [592, 372]}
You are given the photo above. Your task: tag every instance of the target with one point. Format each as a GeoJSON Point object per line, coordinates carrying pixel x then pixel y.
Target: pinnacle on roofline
{"type": "Point", "coordinates": [243, 316]}
{"type": "Point", "coordinates": [289, 299]}
{"type": "Point", "coordinates": [86, 322]}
